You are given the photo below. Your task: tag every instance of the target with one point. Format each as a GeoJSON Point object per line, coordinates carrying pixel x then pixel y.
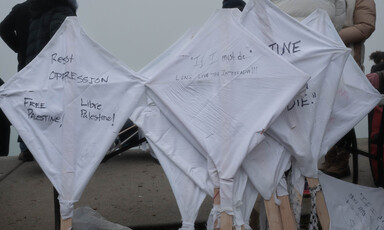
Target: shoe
{"type": "Point", "coordinates": [340, 168]}
{"type": "Point", "coordinates": [330, 158]}
{"type": "Point", "coordinates": [26, 155]}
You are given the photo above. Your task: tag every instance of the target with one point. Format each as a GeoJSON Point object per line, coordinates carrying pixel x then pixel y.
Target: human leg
{"type": "Point", "coordinates": [25, 154]}
{"type": "Point", "coordinates": [5, 131]}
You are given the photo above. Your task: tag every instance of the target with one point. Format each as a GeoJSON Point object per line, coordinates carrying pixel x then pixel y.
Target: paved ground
{"type": "Point", "coordinates": [130, 189]}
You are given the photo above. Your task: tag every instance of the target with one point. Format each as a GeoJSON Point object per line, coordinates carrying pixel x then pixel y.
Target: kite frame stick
{"type": "Point", "coordinates": [322, 211]}
{"type": "Point", "coordinates": [66, 224]}
{"type": "Point", "coordinates": [226, 221]}
{"type": "Point", "coordinates": [287, 217]}
{"type": "Point", "coordinates": [216, 201]}
{"type": "Point", "coordinates": [273, 214]}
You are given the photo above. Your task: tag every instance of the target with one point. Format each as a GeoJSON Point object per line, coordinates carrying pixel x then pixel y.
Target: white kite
{"type": "Point", "coordinates": [68, 106]}
{"type": "Point", "coordinates": [184, 166]}
{"type": "Point", "coordinates": [265, 165]}
{"type": "Point", "coordinates": [222, 92]}
{"type": "Point", "coordinates": [302, 126]}
{"type": "Point", "coordinates": [356, 96]}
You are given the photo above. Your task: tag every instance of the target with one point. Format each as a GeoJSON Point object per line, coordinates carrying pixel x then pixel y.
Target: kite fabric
{"type": "Point", "coordinates": [189, 197]}
{"type": "Point", "coordinates": [356, 96]}
{"type": "Point", "coordinates": [265, 166]}
{"type": "Point", "coordinates": [68, 106]}
{"type": "Point", "coordinates": [186, 156]}
{"type": "Point", "coordinates": [239, 198]}
{"type": "Point", "coordinates": [183, 165]}
{"type": "Point", "coordinates": [249, 199]}
{"type": "Point", "coordinates": [239, 187]}
{"type": "Point", "coordinates": [301, 127]}
{"type": "Point", "coordinates": [223, 91]}
{"type": "Point", "coordinates": [352, 206]}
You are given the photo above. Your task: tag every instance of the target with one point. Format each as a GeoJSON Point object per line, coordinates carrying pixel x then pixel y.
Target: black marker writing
{"type": "Point", "coordinates": [44, 118]}
{"type": "Point", "coordinates": [286, 47]}
{"type": "Point", "coordinates": [96, 116]}
{"type": "Point", "coordinates": [90, 104]}
{"type": "Point", "coordinates": [183, 77]}
{"type": "Point", "coordinates": [28, 102]}
{"type": "Point", "coordinates": [238, 56]}
{"type": "Point", "coordinates": [306, 100]}
{"type": "Point", "coordinates": [62, 60]}
{"type": "Point", "coordinates": [80, 79]}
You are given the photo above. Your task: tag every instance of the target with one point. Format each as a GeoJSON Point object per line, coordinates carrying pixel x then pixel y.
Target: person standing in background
{"type": "Point", "coordinates": [240, 4]}
{"type": "Point", "coordinates": [378, 59]}
{"type": "Point", "coordinates": [300, 9]}
{"type": "Point", "coordinates": [14, 32]}
{"type": "Point", "coordinates": [5, 132]}
{"type": "Point", "coordinates": [46, 18]}
{"type": "Point", "coordinates": [359, 25]}
{"type": "Point", "coordinates": [376, 76]}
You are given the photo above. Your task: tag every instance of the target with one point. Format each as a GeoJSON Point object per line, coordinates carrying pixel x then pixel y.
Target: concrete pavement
{"type": "Point", "coordinates": [129, 189]}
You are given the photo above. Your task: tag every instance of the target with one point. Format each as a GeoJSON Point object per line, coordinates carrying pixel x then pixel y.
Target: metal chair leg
{"type": "Point", "coordinates": [57, 209]}
{"type": "Point", "coordinates": [355, 156]}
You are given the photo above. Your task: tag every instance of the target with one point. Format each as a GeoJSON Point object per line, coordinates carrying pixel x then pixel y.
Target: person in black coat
{"type": "Point", "coordinates": [376, 77]}
{"type": "Point", "coordinates": [14, 31]}
{"type": "Point", "coordinates": [240, 4]}
{"type": "Point", "coordinates": [378, 59]}
{"type": "Point", "coordinates": [46, 18]}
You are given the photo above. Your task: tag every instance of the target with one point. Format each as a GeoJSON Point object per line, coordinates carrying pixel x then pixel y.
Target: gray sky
{"type": "Point", "coordinates": [137, 31]}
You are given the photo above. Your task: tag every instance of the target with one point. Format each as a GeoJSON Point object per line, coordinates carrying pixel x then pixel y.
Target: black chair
{"type": "Point", "coordinates": [376, 141]}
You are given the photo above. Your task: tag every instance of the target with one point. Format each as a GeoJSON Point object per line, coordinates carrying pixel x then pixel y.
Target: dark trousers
{"type": "Point", "coordinates": [5, 131]}
{"type": "Point", "coordinates": [347, 140]}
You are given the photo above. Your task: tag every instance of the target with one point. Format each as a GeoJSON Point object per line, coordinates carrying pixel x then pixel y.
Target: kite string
{"type": "Point", "coordinates": [313, 221]}
{"type": "Point", "coordinates": [217, 193]}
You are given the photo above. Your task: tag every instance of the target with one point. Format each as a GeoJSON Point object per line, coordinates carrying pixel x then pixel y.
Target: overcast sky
{"type": "Point", "coordinates": [137, 31]}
